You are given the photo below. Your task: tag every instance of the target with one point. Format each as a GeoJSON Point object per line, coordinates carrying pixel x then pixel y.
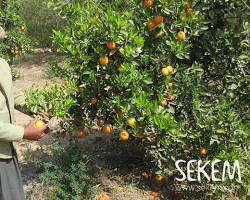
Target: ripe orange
{"type": "Point", "coordinates": [158, 19]}
{"type": "Point", "coordinates": [93, 101]}
{"type": "Point", "coordinates": [107, 129]}
{"type": "Point", "coordinates": [81, 88]}
{"type": "Point", "coordinates": [158, 178]}
{"type": "Point", "coordinates": [80, 133]}
{"type": "Point", "coordinates": [163, 102]}
{"type": "Point", "coordinates": [203, 151]}
{"type": "Point", "coordinates": [39, 123]}
{"type": "Point", "coordinates": [131, 121]}
{"type": "Point", "coordinates": [148, 3]}
{"type": "Point", "coordinates": [111, 45]}
{"type": "Point", "coordinates": [189, 13]}
{"type": "Point", "coordinates": [170, 85]}
{"type": "Point", "coordinates": [171, 97]}
{"type": "Point", "coordinates": [145, 174]}
{"type": "Point", "coordinates": [100, 123]}
{"type": "Point", "coordinates": [104, 197]}
{"type": "Point", "coordinates": [124, 135]}
{"type": "Point", "coordinates": [188, 5]}
{"type": "Point", "coordinates": [166, 71]}
{"type": "Point", "coordinates": [160, 34]}
{"type": "Point", "coordinates": [181, 35]}
{"type": "Point", "coordinates": [151, 25]}
{"type": "Point", "coordinates": [22, 29]}
{"type": "Point", "coordinates": [104, 60]}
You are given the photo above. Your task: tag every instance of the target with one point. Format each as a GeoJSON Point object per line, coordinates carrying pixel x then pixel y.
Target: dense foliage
{"type": "Point", "coordinates": [173, 75]}
{"type": "Point", "coordinates": [49, 99]}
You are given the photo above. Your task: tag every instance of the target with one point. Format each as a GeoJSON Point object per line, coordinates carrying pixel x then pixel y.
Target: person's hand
{"type": "Point", "coordinates": [45, 117]}
{"type": "Point", "coordinates": [33, 133]}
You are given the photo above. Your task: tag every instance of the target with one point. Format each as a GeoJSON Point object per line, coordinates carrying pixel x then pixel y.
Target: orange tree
{"type": "Point", "coordinates": [16, 41]}
{"type": "Point", "coordinates": [172, 76]}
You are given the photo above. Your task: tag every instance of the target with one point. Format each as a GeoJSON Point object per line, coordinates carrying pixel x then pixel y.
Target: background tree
{"type": "Point", "coordinates": [16, 41]}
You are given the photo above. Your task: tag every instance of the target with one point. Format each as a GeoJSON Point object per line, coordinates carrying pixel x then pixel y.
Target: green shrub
{"type": "Point", "coordinates": [67, 176]}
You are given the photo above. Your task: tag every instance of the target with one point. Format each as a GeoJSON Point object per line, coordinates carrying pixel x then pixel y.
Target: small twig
{"type": "Point", "coordinates": [246, 4]}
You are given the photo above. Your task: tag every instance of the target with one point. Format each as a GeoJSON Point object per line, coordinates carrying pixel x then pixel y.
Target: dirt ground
{"type": "Point", "coordinates": [120, 182]}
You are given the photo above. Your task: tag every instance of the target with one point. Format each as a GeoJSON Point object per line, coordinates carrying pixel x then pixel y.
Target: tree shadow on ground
{"type": "Point", "coordinates": [124, 162]}
{"type": "Point", "coordinates": [117, 164]}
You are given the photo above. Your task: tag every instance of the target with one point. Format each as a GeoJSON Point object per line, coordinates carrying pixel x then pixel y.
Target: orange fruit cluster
{"type": "Point", "coordinates": [104, 59]}
{"type": "Point", "coordinates": [157, 20]}
{"type": "Point", "coordinates": [167, 71]}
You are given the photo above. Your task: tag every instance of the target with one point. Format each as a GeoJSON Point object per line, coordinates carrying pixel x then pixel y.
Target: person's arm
{"type": "Point", "coordinates": [10, 132]}
{"type": "Point", "coordinates": [19, 101]}
{"type": "Point", "coordinates": [19, 98]}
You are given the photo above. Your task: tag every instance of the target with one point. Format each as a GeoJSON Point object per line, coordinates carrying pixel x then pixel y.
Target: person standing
{"type": "Point", "coordinates": [11, 187]}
